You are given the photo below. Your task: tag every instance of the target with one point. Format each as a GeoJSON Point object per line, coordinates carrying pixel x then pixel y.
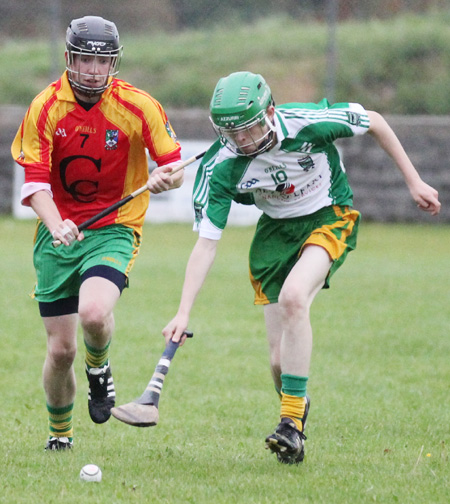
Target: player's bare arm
{"type": "Point", "coordinates": [64, 230]}
{"type": "Point", "coordinates": [197, 269]}
{"type": "Point", "coordinates": [425, 196]}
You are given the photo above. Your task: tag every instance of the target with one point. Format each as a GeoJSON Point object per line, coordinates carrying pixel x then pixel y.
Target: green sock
{"type": "Point", "coordinates": [60, 421]}
{"type": "Point", "coordinates": [293, 400]}
{"type": "Point", "coordinates": [294, 385]}
{"type": "Point", "coordinates": [96, 357]}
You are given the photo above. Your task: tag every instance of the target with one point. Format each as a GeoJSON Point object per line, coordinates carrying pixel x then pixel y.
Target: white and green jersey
{"type": "Point", "coordinates": [301, 174]}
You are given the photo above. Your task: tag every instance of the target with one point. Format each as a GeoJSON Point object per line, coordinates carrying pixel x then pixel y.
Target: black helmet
{"type": "Point", "coordinates": [93, 36]}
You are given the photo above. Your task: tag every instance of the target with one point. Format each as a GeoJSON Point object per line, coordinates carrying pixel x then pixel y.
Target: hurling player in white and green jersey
{"type": "Point", "coordinates": [283, 160]}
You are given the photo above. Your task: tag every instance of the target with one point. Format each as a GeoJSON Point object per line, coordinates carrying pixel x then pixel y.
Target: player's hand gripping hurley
{"type": "Point", "coordinates": [143, 412]}
{"type": "Point", "coordinates": [124, 201]}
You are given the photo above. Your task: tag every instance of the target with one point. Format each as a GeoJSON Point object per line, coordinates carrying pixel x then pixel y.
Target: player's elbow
{"type": "Point", "coordinates": [376, 122]}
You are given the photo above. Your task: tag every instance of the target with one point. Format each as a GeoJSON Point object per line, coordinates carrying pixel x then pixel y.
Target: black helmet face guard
{"type": "Point", "coordinates": [91, 72]}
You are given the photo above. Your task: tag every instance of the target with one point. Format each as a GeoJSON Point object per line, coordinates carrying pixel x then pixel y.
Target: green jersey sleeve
{"type": "Point", "coordinates": [322, 124]}
{"type": "Point", "coordinates": [215, 186]}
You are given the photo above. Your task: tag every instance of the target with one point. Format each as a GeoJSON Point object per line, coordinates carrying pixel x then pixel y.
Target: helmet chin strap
{"type": "Point", "coordinates": [269, 141]}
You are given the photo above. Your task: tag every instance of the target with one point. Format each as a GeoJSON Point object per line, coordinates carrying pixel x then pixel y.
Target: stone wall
{"type": "Point", "coordinates": [379, 189]}
{"type": "Point", "coordinates": [380, 193]}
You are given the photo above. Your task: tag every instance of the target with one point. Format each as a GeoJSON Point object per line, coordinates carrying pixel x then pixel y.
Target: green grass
{"type": "Point", "coordinates": [378, 427]}
{"type": "Point", "coordinates": [396, 66]}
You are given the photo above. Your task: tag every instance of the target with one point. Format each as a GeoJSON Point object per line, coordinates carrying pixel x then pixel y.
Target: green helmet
{"type": "Point", "coordinates": [239, 103]}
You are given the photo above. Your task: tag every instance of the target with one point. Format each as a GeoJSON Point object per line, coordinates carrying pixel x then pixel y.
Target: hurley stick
{"type": "Point", "coordinates": [124, 201]}
{"type": "Point", "coordinates": [143, 412]}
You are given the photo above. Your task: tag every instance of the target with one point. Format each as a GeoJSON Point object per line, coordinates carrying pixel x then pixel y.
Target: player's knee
{"type": "Point", "coordinates": [293, 302]}
{"type": "Point", "coordinates": [62, 354]}
{"type": "Point", "coordinates": [94, 318]}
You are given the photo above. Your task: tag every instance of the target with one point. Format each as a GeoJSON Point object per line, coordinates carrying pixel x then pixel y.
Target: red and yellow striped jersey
{"type": "Point", "coordinates": [93, 158]}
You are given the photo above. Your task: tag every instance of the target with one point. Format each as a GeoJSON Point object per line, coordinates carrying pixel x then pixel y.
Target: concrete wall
{"type": "Point", "coordinates": [10, 119]}
{"type": "Point", "coordinates": [380, 193]}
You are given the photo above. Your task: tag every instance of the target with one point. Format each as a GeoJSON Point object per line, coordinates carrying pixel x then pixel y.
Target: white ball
{"type": "Point", "coordinates": [91, 472]}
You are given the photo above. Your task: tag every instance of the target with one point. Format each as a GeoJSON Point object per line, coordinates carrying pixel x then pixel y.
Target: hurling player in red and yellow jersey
{"type": "Point", "coordinates": [83, 144]}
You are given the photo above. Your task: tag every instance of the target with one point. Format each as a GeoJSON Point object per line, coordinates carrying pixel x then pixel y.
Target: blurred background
{"type": "Point", "coordinates": [392, 56]}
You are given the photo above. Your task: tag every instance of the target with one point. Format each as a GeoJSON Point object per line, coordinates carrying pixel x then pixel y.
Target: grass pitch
{"type": "Point", "coordinates": [379, 383]}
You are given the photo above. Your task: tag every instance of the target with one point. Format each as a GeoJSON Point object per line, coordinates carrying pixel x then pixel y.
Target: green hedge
{"type": "Point", "coordinates": [398, 66]}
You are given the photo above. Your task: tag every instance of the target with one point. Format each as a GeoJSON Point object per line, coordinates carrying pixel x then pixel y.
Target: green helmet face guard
{"type": "Point", "coordinates": [239, 113]}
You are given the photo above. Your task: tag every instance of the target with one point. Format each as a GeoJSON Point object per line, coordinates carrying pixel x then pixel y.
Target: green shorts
{"type": "Point", "coordinates": [59, 270]}
{"type": "Point", "coordinates": [278, 244]}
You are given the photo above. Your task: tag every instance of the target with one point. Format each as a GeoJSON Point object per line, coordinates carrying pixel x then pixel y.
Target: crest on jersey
{"type": "Point", "coordinates": [170, 131]}
{"type": "Point", "coordinates": [111, 139]}
{"type": "Point", "coordinates": [198, 212]}
{"type": "Point", "coordinates": [354, 118]}
{"type": "Point", "coordinates": [306, 163]}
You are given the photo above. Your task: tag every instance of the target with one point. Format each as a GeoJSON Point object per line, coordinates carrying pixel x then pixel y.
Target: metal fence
{"type": "Point", "coordinates": [425, 60]}
{"type": "Point", "coordinates": [33, 18]}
